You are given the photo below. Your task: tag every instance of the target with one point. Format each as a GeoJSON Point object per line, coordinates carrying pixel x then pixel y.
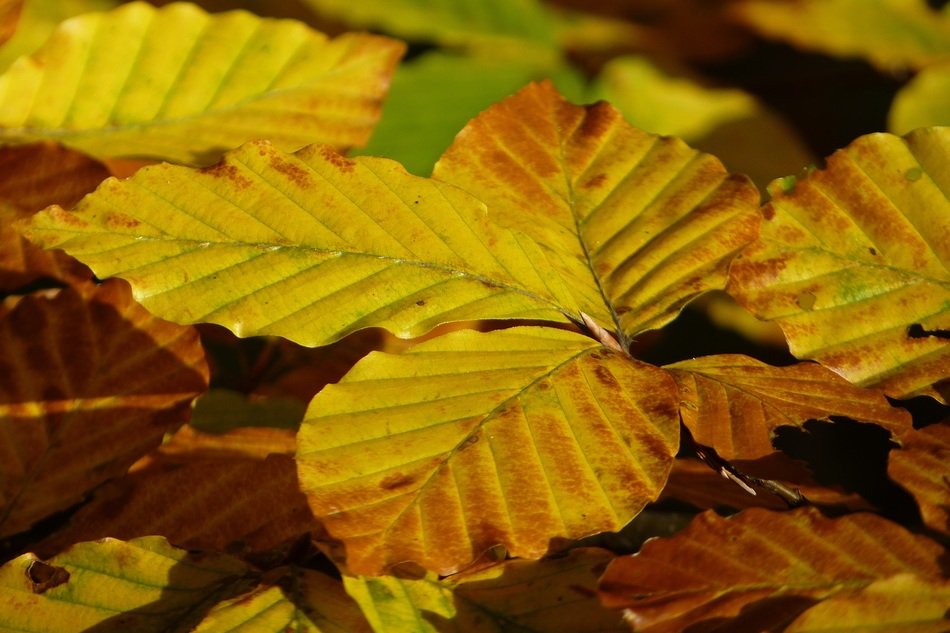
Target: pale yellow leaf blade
{"type": "Point", "coordinates": [550, 595]}
{"type": "Point", "coordinates": [904, 603]}
{"type": "Point", "coordinates": [513, 437]}
{"type": "Point", "coordinates": [649, 222]}
{"type": "Point", "coordinates": [310, 246]}
{"type": "Point", "coordinates": [144, 585]}
{"type": "Point", "coordinates": [89, 383]}
{"type": "Point", "coordinates": [923, 102]}
{"type": "Point", "coordinates": [183, 85]}
{"type": "Point", "coordinates": [889, 33]}
{"type": "Point", "coordinates": [734, 403]}
{"type": "Point", "coordinates": [854, 263]}
{"type": "Point", "coordinates": [299, 601]}
{"type": "Point", "coordinates": [758, 570]}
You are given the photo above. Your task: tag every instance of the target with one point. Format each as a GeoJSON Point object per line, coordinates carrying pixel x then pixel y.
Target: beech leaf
{"type": "Point", "coordinates": [649, 222]}
{"type": "Point", "coordinates": [470, 440]}
{"type": "Point", "coordinates": [557, 594]}
{"type": "Point", "coordinates": [923, 102]}
{"type": "Point", "coordinates": [309, 246]}
{"type": "Point", "coordinates": [853, 261]}
{"type": "Point", "coordinates": [144, 585]}
{"type": "Point", "coordinates": [922, 466]}
{"type": "Point", "coordinates": [180, 84]}
{"type": "Point", "coordinates": [89, 383]}
{"type": "Point", "coordinates": [759, 569]}
{"type": "Point", "coordinates": [734, 403]}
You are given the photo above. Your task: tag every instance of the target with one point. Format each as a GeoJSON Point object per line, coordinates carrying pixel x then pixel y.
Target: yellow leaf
{"type": "Point", "coordinates": [89, 383]}
{"type": "Point", "coordinates": [923, 102]}
{"type": "Point", "coordinates": [649, 222]}
{"type": "Point", "coordinates": [904, 603]}
{"type": "Point", "coordinates": [111, 586]}
{"type": "Point", "coordinates": [309, 246]}
{"type": "Point", "coordinates": [734, 403]}
{"type": "Point", "coordinates": [180, 84]}
{"type": "Point", "coordinates": [922, 466]}
{"type": "Point", "coordinates": [512, 437]}
{"type": "Point", "coordinates": [556, 594]}
{"type": "Point", "coordinates": [890, 33]}
{"type": "Point", "coordinates": [853, 263]}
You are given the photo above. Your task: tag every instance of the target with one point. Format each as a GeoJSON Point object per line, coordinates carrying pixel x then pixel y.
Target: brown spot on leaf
{"type": "Point", "coordinates": [420, 302]}
{"type": "Point", "coordinates": [121, 221]}
{"type": "Point", "coordinates": [621, 310]}
{"type": "Point", "coordinates": [342, 163]}
{"type": "Point", "coordinates": [469, 441]}
{"type": "Point", "coordinates": [396, 480]}
{"type": "Point", "coordinates": [768, 212]}
{"type": "Point", "coordinates": [44, 576]}
{"type": "Point", "coordinates": [227, 171]}
{"type": "Point", "coordinates": [596, 181]}
{"type": "Point", "coordinates": [606, 378]}
{"type": "Point", "coordinates": [872, 250]}
{"type": "Point", "coordinates": [806, 300]}
{"type": "Point", "coordinates": [295, 173]}
{"type": "Point", "coordinates": [598, 118]}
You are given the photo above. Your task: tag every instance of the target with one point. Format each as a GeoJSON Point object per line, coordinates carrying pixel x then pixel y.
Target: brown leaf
{"type": "Point", "coordinates": [22, 263]}
{"type": "Point", "coordinates": [922, 466]}
{"type": "Point", "coordinates": [201, 491]}
{"type": "Point", "coordinates": [758, 570]}
{"type": "Point", "coordinates": [734, 403]}
{"type": "Point", "coordinates": [89, 382]}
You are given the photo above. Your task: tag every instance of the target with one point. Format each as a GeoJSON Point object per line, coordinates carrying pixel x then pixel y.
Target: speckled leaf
{"type": "Point", "coordinates": [111, 586]}
{"type": "Point", "coordinates": [890, 33]}
{"type": "Point", "coordinates": [310, 246]}
{"type": "Point", "coordinates": [854, 263]}
{"type": "Point", "coordinates": [903, 603]}
{"type": "Point", "coordinates": [89, 382]}
{"type": "Point", "coordinates": [513, 437]}
{"type": "Point", "coordinates": [759, 569]}
{"type": "Point", "coordinates": [922, 466]}
{"type": "Point", "coordinates": [546, 596]}
{"type": "Point", "coordinates": [734, 403]}
{"type": "Point", "coordinates": [180, 84]}
{"type": "Point", "coordinates": [299, 601]}
{"type": "Point", "coordinates": [649, 222]}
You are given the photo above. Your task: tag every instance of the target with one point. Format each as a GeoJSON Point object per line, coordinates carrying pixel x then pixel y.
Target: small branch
{"type": "Point", "coordinates": [606, 338]}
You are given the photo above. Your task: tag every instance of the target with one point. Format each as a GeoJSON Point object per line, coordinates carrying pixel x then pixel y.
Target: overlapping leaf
{"type": "Point", "coordinates": [89, 383]}
{"type": "Point", "coordinates": [548, 595]}
{"type": "Point", "coordinates": [299, 601]}
{"type": "Point", "coordinates": [9, 16]}
{"type": "Point", "coordinates": [309, 246]}
{"type": "Point", "coordinates": [649, 222]}
{"type": "Point", "coordinates": [901, 603]}
{"type": "Point", "coordinates": [890, 33]}
{"type": "Point", "coordinates": [143, 585]}
{"type": "Point", "coordinates": [513, 437]}
{"type": "Point", "coordinates": [180, 84]}
{"type": "Point", "coordinates": [923, 102]}
{"type": "Point", "coordinates": [922, 466]}
{"type": "Point", "coordinates": [734, 403]}
{"type": "Point", "coordinates": [760, 569]}
{"type": "Point", "coordinates": [854, 263]}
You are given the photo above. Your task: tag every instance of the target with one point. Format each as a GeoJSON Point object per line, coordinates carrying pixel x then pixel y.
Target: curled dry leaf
{"type": "Point", "coordinates": [759, 569]}
{"type": "Point", "coordinates": [89, 383]}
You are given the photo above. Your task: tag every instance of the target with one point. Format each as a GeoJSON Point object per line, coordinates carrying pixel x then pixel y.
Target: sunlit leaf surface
{"type": "Point", "coordinates": [734, 403]}
{"type": "Point", "coordinates": [922, 466]}
{"type": "Point", "coordinates": [112, 586]}
{"type": "Point", "coordinates": [650, 223]}
{"type": "Point", "coordinates": [309, 246]}
{"type": "Point", "coordinates": [854, 263]}
{"type": "Point", "coordinates": [890, 33]}
{"type": "Point", "coordinates": [546, 596]}
{"type": "Point", "coordinates": [299, 601]}
{"type": "Point", "coordinates": [89, 383]}
{"type": "Point", "coordinates": [759, 570]}
{"type": "Point", "coordinates": [180, 84]}
{"type": "Point", "coordinates": [513, 437]}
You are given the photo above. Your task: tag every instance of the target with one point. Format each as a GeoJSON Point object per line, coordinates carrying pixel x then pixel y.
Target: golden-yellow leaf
{"type": "Point", "coordinates": [89, 382]}
{"type": "Point", "coordinates": [515, 437]}
{"type": "Point", "coordinates": [649, 222]}
{"type": "Point", "coordinates": [183, 85]}
{"type": "Point", "coordinates": [854, 263]}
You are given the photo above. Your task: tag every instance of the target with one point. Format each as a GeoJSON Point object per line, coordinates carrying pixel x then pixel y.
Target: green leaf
{"type": "Point", "coordinates": [854, 263]}
{"type": "Point", "coordinates": [649, 222]}
{"type": "Point", "coordinates": [309, 246]}
{"type": "Point", "coordinates": [180, 84]}
{"type": "Point", "coordinates": [556, 594]}
{"type": "Point", "coordinates": [888, 32]}
{"type": "Point", "coordinates": [923, 102]}
{"type": "Point", "coordinates": [513, 437]}
{"type": "Point", "coordinates": [143, 585]}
